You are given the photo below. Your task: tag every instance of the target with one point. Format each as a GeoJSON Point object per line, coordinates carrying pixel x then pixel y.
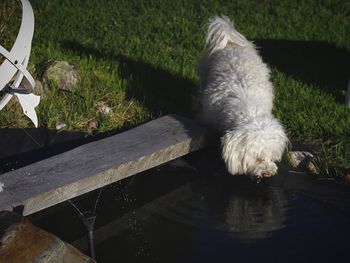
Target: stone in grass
{"type": "Point", "coordinates": [23, 242]}
{"type": "Point", "coordinates": [103, 108]}
{"type": "Point", "coordinates": [60, 125]}
{"type": "Point", "coordinates": [38, 89]}
{"type": "Point", "coordinates": [91, 126]}
{"type": "Point", "coordinates": [65, 75]}
{"type": "Point", "coordinates": [347, 175]}
{"type": "Point", "coordinates": [301, 159]}
{"type": "Point", "coordinates": [312, 167]}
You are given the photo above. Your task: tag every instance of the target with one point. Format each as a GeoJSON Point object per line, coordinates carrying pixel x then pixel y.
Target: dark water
{"type": "Point", "coordinates": [193, 211]}
{"type": "Point", "coordinates": [232, 221]}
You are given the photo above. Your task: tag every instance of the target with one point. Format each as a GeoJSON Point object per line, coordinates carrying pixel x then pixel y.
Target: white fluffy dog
{"type": "Point", "coordinates": [236, 97]}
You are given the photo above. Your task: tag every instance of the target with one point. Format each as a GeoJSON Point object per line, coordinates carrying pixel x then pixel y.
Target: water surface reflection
{"type": "Point", "coordinates": [228, 220]}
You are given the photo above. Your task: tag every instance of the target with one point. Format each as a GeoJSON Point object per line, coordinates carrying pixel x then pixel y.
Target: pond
{"type": "Point", "coordinates": [191, 210]}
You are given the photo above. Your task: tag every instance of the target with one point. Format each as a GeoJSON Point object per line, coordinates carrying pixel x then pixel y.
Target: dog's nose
{"type": "Point", "coordinates": [267, 174]}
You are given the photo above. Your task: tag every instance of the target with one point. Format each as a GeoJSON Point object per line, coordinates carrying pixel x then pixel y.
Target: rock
{"type": "Point", "coordinates": [103, 108]}
{"type": "Point", "coordinates": [92, 126]}
{"type": "Point", "coordinates": [1, 187]}
{"type": "Point", "coordinates": [347, 178]}
{"type": "Point", "coordinates": [60, 125]}
{"type": "Point", "coordinates": [347, 172]}
{"type": "Point", "coordinates": [25, 84]}
{"type": "Point", "coordinates": [312, 167]}
{"type": "Point", "coordinates": [38, 89]}
{"type": "Point", "coordinates": [23, 242]}
{"type": "Point", "coordinates": [347, 175]}
{"type": "Point", "coordinates": [300, 159]}
{"type": "Point", "coordinates": [65, 75]}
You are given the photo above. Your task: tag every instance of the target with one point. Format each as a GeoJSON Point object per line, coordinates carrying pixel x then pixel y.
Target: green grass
{"type": "Point", "coordinates": [140, 56]}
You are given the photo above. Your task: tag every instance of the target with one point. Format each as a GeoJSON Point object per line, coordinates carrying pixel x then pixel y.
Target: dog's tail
{"type": "Point", "coordinates": [221, 32]}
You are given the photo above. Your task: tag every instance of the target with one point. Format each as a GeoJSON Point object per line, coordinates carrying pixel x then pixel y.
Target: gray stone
{"type": "Point", "coordinates": [301, 159]}
{"type": "Point", "coordinates": [60, 125]}
{"type": "Point", "coordinates": [65, 75]}
{"type": "Point", "coordinates": [103, 108]}
{"type": "Point", "coordinates": [39, 89]}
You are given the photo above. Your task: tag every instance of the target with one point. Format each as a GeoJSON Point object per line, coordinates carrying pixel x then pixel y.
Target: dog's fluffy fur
{"type": "Point", "coordinates": [236, 97]}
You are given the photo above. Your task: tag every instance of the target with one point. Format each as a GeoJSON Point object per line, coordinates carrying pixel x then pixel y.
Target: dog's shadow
{"type": "Point", "coordinates": [160, 91]}
{"type": "Point", "coordinates": [312, 62]}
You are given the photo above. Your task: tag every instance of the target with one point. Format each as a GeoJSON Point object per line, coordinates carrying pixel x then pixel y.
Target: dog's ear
{"type": "Point", "coordinates": [232, 154]}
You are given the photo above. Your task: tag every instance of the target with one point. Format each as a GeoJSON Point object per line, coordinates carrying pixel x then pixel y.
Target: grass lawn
{"type": "Point", "coordinates": [139, 57]}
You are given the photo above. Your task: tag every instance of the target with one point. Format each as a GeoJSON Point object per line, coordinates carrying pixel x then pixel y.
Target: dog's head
{"type": "Point", "coordinates": [262, 168]}
{"type": "Point", "coordinates": [253, 150]}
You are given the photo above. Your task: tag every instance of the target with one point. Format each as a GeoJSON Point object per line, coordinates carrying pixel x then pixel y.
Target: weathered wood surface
{"type": "Point", "coordinates": [94, 165]}
{"type": "Point", "coordinates": [22, 242]}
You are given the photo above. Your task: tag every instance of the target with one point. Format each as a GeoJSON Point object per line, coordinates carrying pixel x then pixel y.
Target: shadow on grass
{"type": "Point", "coordinates": [311, 62]}
{"type": "Point", "coordinates": [160, 91]}
{"type": "Point", "coordinates": [317, 63]}
{"type": "Point", "coordinates": [21, 147]}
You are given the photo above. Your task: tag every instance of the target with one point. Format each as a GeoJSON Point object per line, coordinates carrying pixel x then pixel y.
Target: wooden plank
{"type": "Point", "coordinates": [94, 165]}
